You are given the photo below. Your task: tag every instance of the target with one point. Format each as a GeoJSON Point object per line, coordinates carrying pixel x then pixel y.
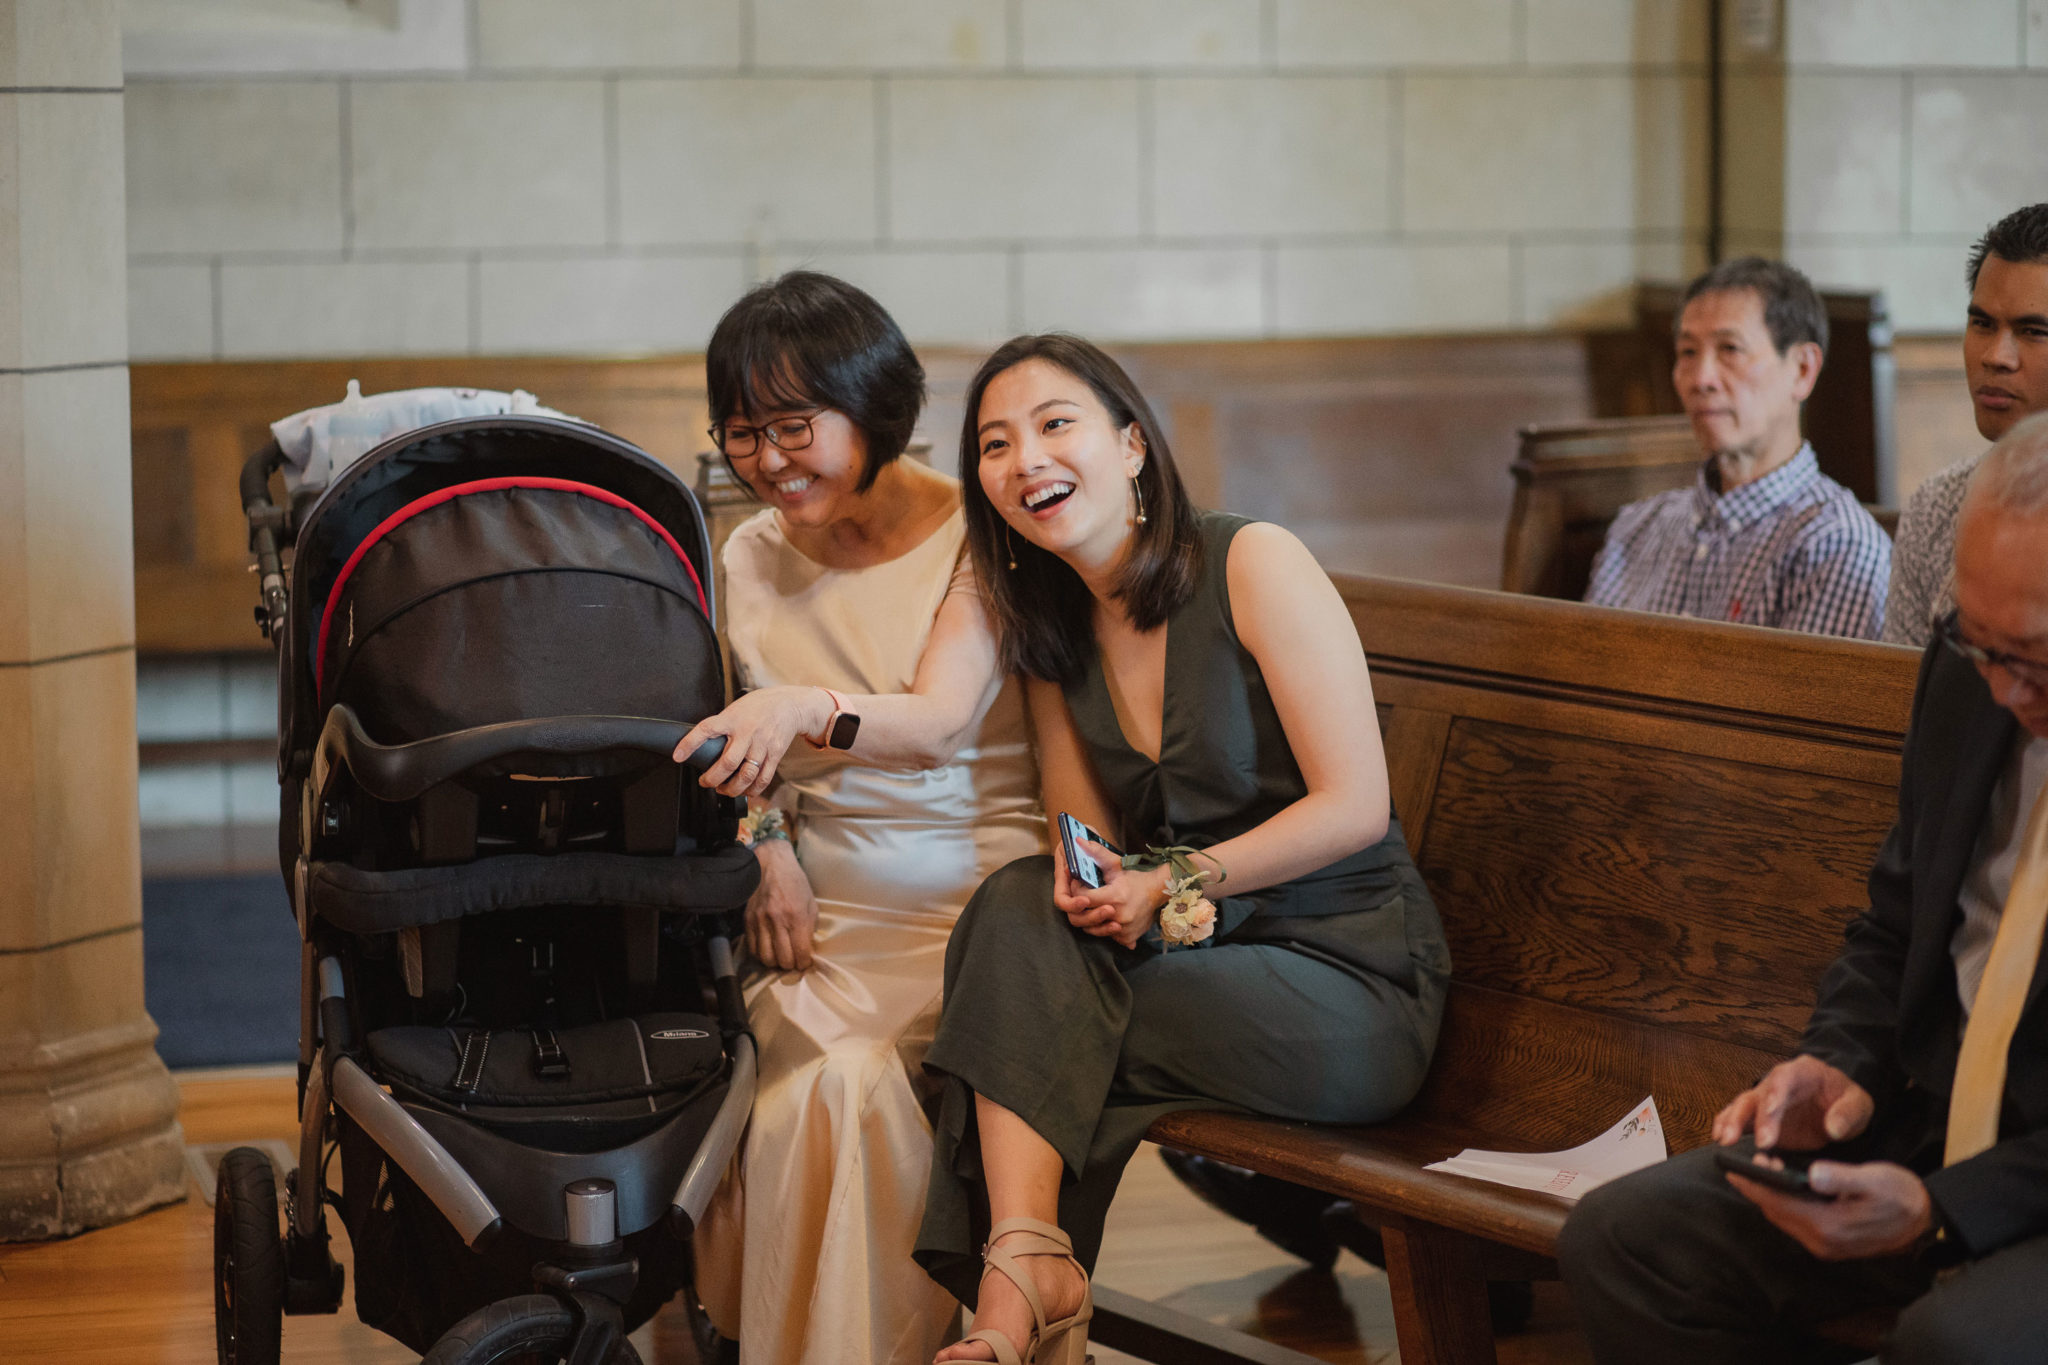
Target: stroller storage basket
{"type": "Point", "coordinates": [639, 1062]}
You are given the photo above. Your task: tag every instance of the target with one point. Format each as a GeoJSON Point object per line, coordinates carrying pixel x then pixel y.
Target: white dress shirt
{"type": "Point", "coordinates": [1989, 879]}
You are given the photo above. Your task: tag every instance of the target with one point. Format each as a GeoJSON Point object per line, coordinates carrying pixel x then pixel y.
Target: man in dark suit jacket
{"type": "Point", "coordinates": [1681, 1263]}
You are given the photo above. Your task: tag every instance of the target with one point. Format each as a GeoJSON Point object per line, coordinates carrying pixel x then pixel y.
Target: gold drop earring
{"type": "Point", "coordinates": [1010, 544]}
{"type": "Point", "coordinates": [1138, 491]}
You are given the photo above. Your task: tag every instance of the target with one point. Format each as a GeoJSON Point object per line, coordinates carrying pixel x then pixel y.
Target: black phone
{"type": "Point", "coordinates": [1791, 1180]}
{"type": "Point", "coordinates": [1082, 867]}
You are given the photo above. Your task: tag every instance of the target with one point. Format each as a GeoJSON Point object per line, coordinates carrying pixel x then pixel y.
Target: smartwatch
{"type": "Point", "coordinates": [841, 729]}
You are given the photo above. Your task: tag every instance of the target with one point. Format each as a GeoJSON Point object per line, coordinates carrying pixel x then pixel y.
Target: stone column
{"type": "Point", "coordinates": [88, 1126]}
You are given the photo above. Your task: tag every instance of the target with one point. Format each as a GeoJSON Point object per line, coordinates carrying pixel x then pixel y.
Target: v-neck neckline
{"type": "Point", "coordinates": [1116, 719]}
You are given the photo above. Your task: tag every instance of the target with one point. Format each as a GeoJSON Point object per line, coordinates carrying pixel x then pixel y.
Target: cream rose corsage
{"type": "Point", "coordinates": [1188, 917]}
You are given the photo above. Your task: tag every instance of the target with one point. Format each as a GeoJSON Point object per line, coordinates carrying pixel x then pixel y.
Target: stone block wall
{"type": "Point", "coordinates": [497, 176]}
{"type": "Point", "coordinates": [1882, 138]}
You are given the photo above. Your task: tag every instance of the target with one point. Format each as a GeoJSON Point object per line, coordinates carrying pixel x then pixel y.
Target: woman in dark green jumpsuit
{"type": "Point", "coordinates": [1195, 683]}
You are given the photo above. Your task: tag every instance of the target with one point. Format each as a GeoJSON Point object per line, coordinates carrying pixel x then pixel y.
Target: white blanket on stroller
{"type": "Point", "coordinates": [321, 442]}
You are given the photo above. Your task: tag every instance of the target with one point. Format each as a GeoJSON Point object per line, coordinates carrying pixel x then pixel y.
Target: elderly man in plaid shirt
{"type": "Point", "coordinates": [1762, 536]}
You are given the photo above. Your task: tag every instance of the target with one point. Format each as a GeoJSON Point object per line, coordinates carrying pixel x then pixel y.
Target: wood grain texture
{"type": "Point", "coordinates": [1511, 1074]}
{"type": "Point", "coordinates": [1765, 741]}
{"type": "Point", "coordinates": [161, 488]}
{"type": "Point", "coordinates": [1439, 1295]}
{"type": "Point", "coordinates": [218, 414]}
{"type": "Point", "coordinates": [1516, 1073]}
{"type": "Point", "coordinates": [1571, 480]}
{"type": "Point", "coordinates": [1414, 741]}
{"type": "Point", "coordinates": [1746, 677]}
{"type": "Point", "coordinates": [1696, 893]}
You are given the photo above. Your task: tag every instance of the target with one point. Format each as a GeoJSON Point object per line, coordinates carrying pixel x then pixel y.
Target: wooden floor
{"type": "Point", "coordinates": [139, 1293]}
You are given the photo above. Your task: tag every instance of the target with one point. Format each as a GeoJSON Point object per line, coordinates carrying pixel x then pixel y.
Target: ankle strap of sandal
{"type": "Point", "coordinates": [1033, 1239]}
{"type": "Point", "coordinates": [1047, 1231]}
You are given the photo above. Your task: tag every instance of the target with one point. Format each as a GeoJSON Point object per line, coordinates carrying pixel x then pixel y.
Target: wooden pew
{"type": "Point", "coordinates": [1645, 835]}
{"type": "Point", "coordinates": [194, 424]}
{"type": "Point", "coordinates": [1570, 480]}
{"type": "Point", "coordinates": [1383, 452]}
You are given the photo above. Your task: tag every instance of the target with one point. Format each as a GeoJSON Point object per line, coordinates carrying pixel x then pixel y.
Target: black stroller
{"type": "Point", "coordinates": [520, 1028]}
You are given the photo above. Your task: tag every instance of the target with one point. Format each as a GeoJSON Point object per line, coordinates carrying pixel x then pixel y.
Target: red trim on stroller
{"type": "Point", "coordinates": [449, 494]}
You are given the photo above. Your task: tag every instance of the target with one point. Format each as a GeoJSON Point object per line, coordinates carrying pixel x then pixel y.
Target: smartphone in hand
{"type": "Point", "coordinates": [1791, 1180]}
{"type": "Point", "coordinates": [1080, 866]}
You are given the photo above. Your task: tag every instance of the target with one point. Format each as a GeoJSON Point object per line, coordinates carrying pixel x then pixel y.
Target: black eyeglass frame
{"type": "Point", "coordinates": [2032, 672]}
{"type": "Point", "coordinates": [720, 434]}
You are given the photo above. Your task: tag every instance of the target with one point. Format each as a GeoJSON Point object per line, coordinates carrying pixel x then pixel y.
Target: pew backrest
{"type": "Point", "coordinates": [1645, 836]}
{"type": "Point", "coordinates": [1570, 480]}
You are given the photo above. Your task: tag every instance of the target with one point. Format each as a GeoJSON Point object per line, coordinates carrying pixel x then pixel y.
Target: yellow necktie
{"type": "Point", "coordinates": [1980, 1066]}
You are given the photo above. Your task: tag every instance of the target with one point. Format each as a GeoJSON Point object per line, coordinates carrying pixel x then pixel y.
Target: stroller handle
{"type": "Point", "coordinates": [593, 746]}
{"type": "Point", "coordinates": [267, 523]}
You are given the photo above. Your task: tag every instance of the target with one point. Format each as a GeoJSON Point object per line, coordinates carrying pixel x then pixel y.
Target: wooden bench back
{"type": "Point", "coordinates": [1570, 480]}
{"type": "Point", "coordinates": [1644, 835]}
{"type": "Point", "coordinates": [194, 425]}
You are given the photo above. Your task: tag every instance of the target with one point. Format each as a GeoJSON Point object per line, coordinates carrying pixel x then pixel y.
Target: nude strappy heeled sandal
{"type": "Point", "coordinates": [1051, 1343]}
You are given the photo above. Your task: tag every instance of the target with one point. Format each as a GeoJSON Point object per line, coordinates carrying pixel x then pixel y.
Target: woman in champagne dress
{"type": "Point", "coordinates": [849, 596]}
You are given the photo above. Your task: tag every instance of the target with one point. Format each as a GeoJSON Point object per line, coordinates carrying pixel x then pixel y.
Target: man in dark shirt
{"type": "Point", "coordinates": [1922, 1078]}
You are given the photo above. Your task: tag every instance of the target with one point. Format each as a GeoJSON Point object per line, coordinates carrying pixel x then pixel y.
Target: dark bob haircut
{"type": "Point", "coordinates": [1041, 608]}
{"type": "Point", "coordinates": [809, 340]}
{"type": "Point", "coordinates": [1792, 311]}
{"type": "Point", "coordinates": [2019, 238]}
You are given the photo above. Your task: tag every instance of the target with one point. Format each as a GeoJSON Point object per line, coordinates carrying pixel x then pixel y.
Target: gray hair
{"type": "Point", "coordinates": [1793, 312]}
{"type": "Point", "coordinates": [2013, 475]}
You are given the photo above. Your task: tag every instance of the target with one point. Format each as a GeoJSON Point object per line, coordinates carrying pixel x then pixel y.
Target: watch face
{"type": "Point", "coordinates": [844, 727]}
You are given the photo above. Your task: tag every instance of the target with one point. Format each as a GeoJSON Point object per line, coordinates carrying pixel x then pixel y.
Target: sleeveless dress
{"type": "Point", "coordinates": [1316, 999]}
{"type": "Point", "coordinates": [804, 1256]}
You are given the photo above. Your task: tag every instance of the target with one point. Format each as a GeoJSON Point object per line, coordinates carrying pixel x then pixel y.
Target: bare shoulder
{"type": "Point", "coordinates": [1264, 556]}
{"type": "Point", "coordinates": [1279, 595]}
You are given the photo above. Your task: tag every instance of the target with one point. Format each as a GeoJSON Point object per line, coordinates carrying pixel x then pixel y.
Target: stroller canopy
{"type": "Point", "coordinates": [498, 569]}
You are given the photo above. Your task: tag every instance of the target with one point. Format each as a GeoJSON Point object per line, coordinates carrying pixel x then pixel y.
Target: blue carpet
{"type": "Point", "coordinates": [221, 969]}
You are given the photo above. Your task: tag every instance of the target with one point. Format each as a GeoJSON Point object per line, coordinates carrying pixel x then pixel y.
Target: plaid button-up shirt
{"type": "Point", "coordinates": [1793, 549]}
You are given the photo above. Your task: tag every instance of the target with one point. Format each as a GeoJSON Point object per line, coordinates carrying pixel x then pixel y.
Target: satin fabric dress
{"type": "Point", "coordinates": [804, 1255]}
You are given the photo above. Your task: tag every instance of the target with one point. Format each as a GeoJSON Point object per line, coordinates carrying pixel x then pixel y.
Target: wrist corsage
{"type": "Point", "coordinates": [1188, 916]}
{"type": "Point", "coordinates": [759, 826]}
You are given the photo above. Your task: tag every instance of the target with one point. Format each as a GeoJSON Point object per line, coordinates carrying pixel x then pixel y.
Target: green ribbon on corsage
{"type": "Point", "coordinates": [1187, 917]}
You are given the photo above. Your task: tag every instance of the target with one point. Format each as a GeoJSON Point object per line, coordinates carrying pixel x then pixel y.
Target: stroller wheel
{"type": "Point", "coordinates": [532, 1329]}
{"type": "Point", "coordinates": [248, 1261]}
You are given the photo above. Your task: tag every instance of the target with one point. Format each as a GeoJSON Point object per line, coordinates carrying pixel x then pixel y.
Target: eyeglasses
{"type": "Point", "coordinates": [738, 442]}
{"type": "Point", "coordinates": [2032, 672]}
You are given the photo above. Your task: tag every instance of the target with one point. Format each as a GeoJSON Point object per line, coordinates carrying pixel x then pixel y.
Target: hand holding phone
{"type": "Point", "coordinates": [1791, 1179]}
{"type": "Point", "coordinates": [1080, 866]}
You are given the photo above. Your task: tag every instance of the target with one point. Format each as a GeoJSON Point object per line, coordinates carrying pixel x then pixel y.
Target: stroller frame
{"type": "Point", "coordinates": [575, 1204]}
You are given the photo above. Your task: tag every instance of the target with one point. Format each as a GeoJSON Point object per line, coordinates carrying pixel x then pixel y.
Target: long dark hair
{"type": "Point", "coordinates": [808, 338]}
{"type": "Point", "coordinates": [1042, 610]}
